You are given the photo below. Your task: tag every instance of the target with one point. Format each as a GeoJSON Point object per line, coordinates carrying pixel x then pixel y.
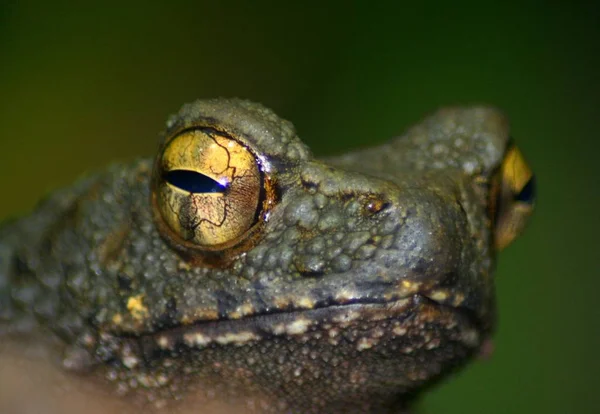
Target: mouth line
{"type": "Point", "coordinates": [257, 327]}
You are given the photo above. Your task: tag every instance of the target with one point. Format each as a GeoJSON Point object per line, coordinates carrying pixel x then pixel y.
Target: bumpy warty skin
{"type": "Point", "coordinates": [371, 277]}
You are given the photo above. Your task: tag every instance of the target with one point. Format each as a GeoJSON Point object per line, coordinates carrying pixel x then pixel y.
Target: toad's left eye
{"type": "Point", "coordinates": [207, 190]}
{"type": "Point", "coordinates": [512, 197]}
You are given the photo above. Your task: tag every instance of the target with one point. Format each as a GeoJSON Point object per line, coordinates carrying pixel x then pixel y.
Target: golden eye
{"type": "Point", "coordinates": [512, 197]}
{"type": "Point", "coordinates": [207, 190]}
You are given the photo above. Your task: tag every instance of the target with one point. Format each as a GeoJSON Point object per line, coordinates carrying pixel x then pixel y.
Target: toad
{"type": "Point", "coordinates": [237, 267]}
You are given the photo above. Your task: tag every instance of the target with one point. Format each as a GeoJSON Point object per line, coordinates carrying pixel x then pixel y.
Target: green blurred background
{"type": "Point", "coordinates": [81, 87]}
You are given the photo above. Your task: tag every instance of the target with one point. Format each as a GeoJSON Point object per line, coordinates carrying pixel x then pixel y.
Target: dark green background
{"type": "Point", "coordinates": [80, 88]}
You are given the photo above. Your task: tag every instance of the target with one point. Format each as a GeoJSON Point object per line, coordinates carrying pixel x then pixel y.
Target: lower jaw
{"type": "Point", "coordinates": [334, 358]}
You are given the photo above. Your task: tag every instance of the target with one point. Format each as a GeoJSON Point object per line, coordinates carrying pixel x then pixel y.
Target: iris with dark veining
{"type": "Point", "coordinates": [236, 266]}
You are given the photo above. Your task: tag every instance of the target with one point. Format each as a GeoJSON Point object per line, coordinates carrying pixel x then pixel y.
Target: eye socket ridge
{"type": "Point", "coordinates": [194, 182]}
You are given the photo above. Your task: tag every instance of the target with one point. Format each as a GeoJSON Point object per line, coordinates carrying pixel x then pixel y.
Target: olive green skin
{"type": "Point", "coordinates": [371, 277]}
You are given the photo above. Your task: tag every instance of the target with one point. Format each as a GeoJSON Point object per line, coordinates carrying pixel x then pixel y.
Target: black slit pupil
{"type": "Point", "coordinates": [193, 182]}
{"type": "Point", "coordinates": [527, 194]}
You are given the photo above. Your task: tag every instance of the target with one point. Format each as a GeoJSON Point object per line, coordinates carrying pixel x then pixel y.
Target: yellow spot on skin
{"type": "Point", "coordinates": [345, 296]}
{"type": "Point", "coordinates": [163, 342]}
{"type": "Point", "coordinates": [364, 343]}
{"type": "Point", "coordinates": [399, 331]}
{"type": "Point", "coordinates": [206, 314]}
{"type": "Point", "coordinates": [459, 298]}
{"type": "Point", "coordinates": [282, 302]}
{"type": "Point", "coordinates": [236, 338]}
{"type": "Point", "coordinates": [130, 361]}
{"type": "Point", "coordinates": [439, 295]}
{"type": "Point", "coordinates": [202, 314]}
{"type": "Point", "coordinates": [298, 327]}
{"type": "Point", "coordinates": [117, 319]}
{"type": "Point", "coordinates": [306, 303]}
{"type": "Point", "coordinates": [242, 310]}
{"type": "Point", "coordinates": [196, 339]}
{"type": "Point", "coordinates": [279, 329]}
{"type": "Point", "coordinates": [186, 267]}
{"type": "Point", "coordinates": [408, 287]}
{"type": "Point", "coordinates": [136, 307]}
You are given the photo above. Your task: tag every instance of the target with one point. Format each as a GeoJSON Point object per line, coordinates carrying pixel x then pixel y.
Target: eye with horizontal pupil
{"type": "Point", "coordinates": [513, 197]}
{"type": "Point", "coordinates": [193, 182]}
{"type": "Point", "coordinates": [207, 190]}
